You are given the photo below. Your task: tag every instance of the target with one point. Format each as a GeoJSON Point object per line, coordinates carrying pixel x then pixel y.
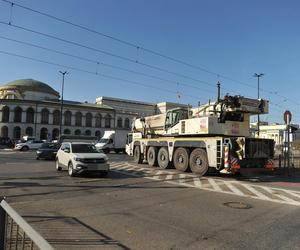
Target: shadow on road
{"type": "Point", "coordinates": [68, 232]}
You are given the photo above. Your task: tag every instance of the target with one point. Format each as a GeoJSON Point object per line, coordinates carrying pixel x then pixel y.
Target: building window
{"type": "Point", "coordinates": [119, 122]}
{"type": "Point", "coordinates": [88, 120]}
{"type": "Point", "coordinates": [107, 121]}
{"type": "Point", "coordinates": [17, 133]}
{"type": "Point", "coordinates": [77, 132]}
{"type": "Point", "coordinates": [29, 131]}
{"type": "Point", "coordinates": [55, 134]}
{"type": "Point", "coordinates": [56, 117]}
{"type": "Point", "coordinates": [98, 134]}
{"type": "Point", "coordinates": [44, 134]}
{"type": "Point", "coordinates": [78, 119]}
{"type": "Point", "coordinates": [18, 114]}
{"type": "Point", "coordinates": [127, 123]}
{"type": "Point", "coordinates": [45, 116]}
{"type": "Point", "coordinates": [4, 131]}
{"type": "Point", "coordinates": [5, 114]}
{"type": "Point", "coordinates": [98, 121]}
{"type": "Point", "coordinates": [67, 131]}
{"type": "Point", "coordinates": [30, 115]}
{"type": "Point", "coordinates": [88, 132]}
{"type": "Point", "coordinates": [68, 118]}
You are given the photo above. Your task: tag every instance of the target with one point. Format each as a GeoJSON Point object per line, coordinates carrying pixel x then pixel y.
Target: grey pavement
{"type": "Point", "coordinates": [136, 207]}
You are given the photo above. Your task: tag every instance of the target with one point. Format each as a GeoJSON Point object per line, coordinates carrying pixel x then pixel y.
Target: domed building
{"type": "Point", "coordinates": [31, 107]}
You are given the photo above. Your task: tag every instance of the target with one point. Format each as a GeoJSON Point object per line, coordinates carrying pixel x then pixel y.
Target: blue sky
{"type": "Point", "coordinates": [231, 38]}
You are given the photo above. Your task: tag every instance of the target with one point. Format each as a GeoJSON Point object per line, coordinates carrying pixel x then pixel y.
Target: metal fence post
{"type": "Point", "coordinates": [2, 226]}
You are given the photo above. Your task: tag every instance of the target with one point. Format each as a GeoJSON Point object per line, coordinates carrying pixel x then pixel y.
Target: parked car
{"type": "Point", "coordinates": [5, 142]}
{"type": "Point", "coordinates": [80, 157]}
{"type": "Point", "coordinates": [32, 144]}
{"type": "Point", "coordinates": [47, 151]}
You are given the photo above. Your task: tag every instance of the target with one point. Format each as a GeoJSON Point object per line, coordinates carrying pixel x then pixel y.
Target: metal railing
{"type": "Point", "coordinates": [16, 233]}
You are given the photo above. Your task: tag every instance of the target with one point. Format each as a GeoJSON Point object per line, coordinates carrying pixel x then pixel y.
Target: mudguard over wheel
{"type": "Point", "coordinates": [163, 158]}
{"type": "Point", "coordinates": [137, 156]}
{"type": "Point", "coordinates": [199, 161]}
{"type": "Point", "coordinates": [181, 159]}
{"type": "Point", "coordinates": [152, 156]}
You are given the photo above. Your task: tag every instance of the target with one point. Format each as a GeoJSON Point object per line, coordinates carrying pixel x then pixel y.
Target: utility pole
{"type": "Point", "coordinates": [258, 120]}
{"type": "Point", "coordinates": [62, 101]}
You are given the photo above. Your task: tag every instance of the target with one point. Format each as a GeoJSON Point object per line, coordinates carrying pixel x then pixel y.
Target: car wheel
{"type": "Point", "coordinates": [25, 148]}
{"type": "Point", "coordinates": [37, 158]}
{"type": "Point", "coordinates": [71, 170]}
{"type": "Point", "coordinates": [104, 174]}
{"type": "Point", "coordinates": [58, 168]}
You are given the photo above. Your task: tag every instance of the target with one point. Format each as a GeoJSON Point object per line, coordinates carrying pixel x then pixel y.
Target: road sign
{"type": "Point", "coordinates": [287, 117]}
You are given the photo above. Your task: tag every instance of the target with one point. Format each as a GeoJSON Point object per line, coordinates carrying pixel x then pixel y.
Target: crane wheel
{"type": "Point", "coordinates": [163, 158]}
{"type": "Point", "coordinates": [199, 161]}
{"type": "Point", "coordinates": [137, 156]}
{"type": "Point", "coordinates": [152, 156]}
{"type": "Point", "coordinates": [181, 159]}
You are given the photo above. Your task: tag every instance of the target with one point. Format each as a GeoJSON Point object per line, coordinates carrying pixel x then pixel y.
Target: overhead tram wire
{"type": "Point", "coordinates": [141, 48]}
{"type": "Point", "coordinates": [97, 62]}
{"type": "Point", "coordinates": [113, 55]}
{"type": "Point", "coordinates": [94, 73]}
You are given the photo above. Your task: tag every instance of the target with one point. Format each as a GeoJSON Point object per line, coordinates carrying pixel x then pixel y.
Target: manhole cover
{"type": "Point", "coordinates": [237, 205]}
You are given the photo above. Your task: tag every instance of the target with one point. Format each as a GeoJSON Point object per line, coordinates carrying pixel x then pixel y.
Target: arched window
{"type": "Point", "coordinates": [67, 131]}
{"type": "Point", "coordinates": [88, 132]}
{"type": "Point", "coordinates": [17, 133]}
{"type": "Point", "coordinates": [4, 131]}
{"type": "Point", "coordinates": [44, 134]}
{"type": "Point", "coordinates": [55, 134]}
{"type": "Point", "coordinates": [98, 121]}
{"type": "Point", "coordinates": [127, 123]}
{"type": "Point", "coordinates": [5, 114]}
{"type": "Point", "coordinates": [29, 131]}
{"type": "Point", "coordinates": [30, 115]}
{"type": "Point", "coordinates": [78, 119]}
{"type": "Point", "coordinates": [45, 116]}
{"type": "Point", "coordinates": [88, 120]}
{"type": "Point", "coordinates": [77, 132]}
{"type": "Point", "coordinates": [56, 117]}
{"type": "Point", "coordinates": [18, 114]}
{"type": "Point", "coordinates": [68, 118]}
{"type": "Point", "coordinates": [98, 134]}
{"type": "Point", "coordinates": [119, 122]}
{"type": "Point", "coordinates": [107, 121]}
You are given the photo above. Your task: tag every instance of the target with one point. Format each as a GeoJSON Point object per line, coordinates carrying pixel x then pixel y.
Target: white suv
{"type": "Point", "coordinates": [80, 157]}
{"type": "Point", "coordinates": [31, 144]}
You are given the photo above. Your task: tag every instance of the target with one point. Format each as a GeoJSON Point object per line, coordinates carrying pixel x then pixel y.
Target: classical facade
{"type": "Point", "coordinates": [30, 107]}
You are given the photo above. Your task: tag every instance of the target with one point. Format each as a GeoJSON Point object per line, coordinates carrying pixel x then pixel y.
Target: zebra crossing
{"type": "Point", "coordinates": [234, 187]}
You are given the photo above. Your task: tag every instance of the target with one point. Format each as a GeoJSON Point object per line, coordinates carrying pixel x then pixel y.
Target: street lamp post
{"type": "Point", "coordinates": [258, 120]}
{"type": "Point", "coordinates": [62, 100]}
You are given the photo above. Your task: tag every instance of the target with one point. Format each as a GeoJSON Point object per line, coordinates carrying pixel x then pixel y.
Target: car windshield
{"type": "Point", "coordinates": [50, 145]}
{"type": "Point", "coordinates": [84, 148]}
{"type": "Point", "coordinates": [103, 140]}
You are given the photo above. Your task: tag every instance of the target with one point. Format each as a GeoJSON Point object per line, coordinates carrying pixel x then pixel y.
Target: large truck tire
{"type": "Point", "coordinates": [137, 156]}
{"type": "Point", "coordinates": [152, 156]}
{"type": "Point", "coordinates": [163, 158]}
{"type": "Point", "coordinates": [199, 161]}
{"type": "Point", "coordinates": [181, 159]}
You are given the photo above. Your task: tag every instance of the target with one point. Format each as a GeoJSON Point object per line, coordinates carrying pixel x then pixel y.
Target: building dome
{"type": "Point", "coordinates": [27, 89]}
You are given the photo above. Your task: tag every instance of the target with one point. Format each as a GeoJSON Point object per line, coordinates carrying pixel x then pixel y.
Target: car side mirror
{"type": "Point", "coordinates": [67, 150]}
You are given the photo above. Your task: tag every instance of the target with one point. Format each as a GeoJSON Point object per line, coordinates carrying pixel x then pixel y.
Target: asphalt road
{"type": "Point", "coordinates": [137, 207]}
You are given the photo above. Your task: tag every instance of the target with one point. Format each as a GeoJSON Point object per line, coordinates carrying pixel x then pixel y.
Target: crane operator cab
{"type": "Point", "coordinates": [173, 117]}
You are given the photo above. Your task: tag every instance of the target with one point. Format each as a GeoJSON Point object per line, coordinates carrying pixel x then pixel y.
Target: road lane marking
{"type": "Point", "coordinates": [239, 188]}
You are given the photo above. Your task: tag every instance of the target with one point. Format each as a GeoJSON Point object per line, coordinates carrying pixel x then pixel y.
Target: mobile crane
{"type": "Point", "coordinates": [215, 135]}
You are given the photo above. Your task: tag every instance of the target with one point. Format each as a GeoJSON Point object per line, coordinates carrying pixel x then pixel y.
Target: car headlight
{"type": "Point", "coordinates": [38, 152]}
{"type": "Point", "coordinates": [77, 159]}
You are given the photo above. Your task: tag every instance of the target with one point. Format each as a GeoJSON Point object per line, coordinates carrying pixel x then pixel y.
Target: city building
{"type": "Point", "coordinates": [30, 107]}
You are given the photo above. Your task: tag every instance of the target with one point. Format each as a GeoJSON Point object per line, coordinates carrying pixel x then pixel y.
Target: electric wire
{"type": "Point", "coordinates": [138, 47]}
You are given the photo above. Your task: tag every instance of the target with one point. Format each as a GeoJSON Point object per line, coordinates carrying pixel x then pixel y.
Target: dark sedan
{"type": "Point", "coordinates": [47, 151]}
